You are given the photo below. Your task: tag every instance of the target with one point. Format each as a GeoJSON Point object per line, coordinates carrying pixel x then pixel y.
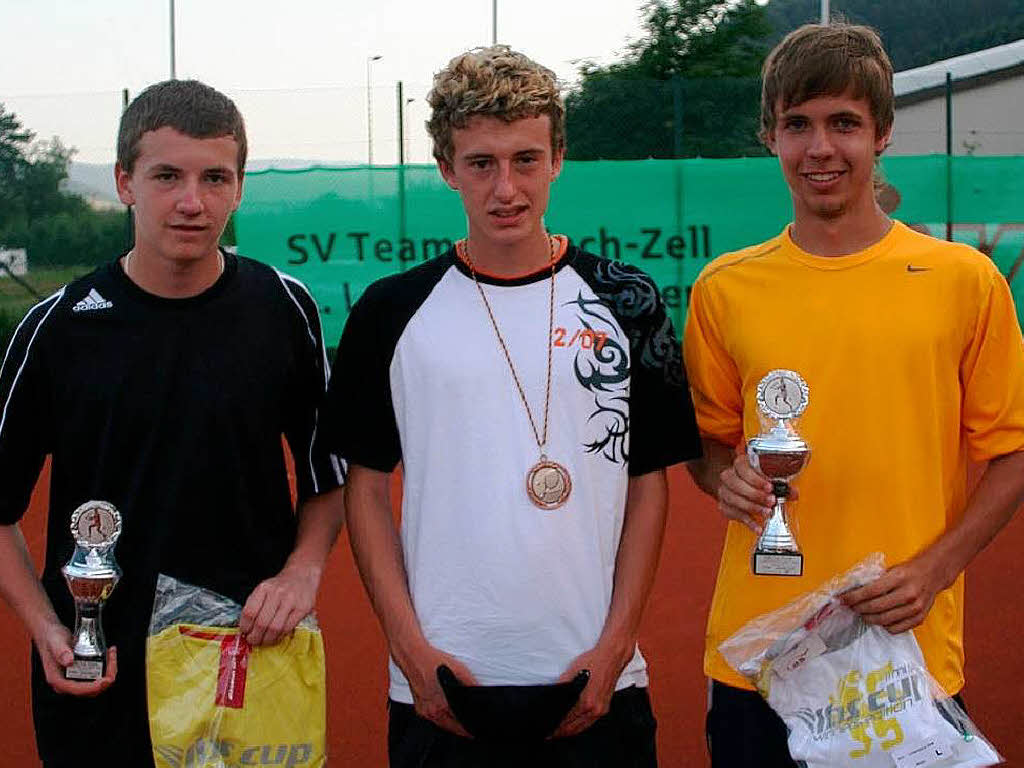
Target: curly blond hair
{"type": "Point", "coordinates": [827, 60]}
{"type": "Point", "coordinates": [494, 82]}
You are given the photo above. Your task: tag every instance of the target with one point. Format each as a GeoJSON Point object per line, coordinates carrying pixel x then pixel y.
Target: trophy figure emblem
{"type": "Point", "coordinates": [91, 575]}
{"type": "Point", "coordinates": [780, 454]}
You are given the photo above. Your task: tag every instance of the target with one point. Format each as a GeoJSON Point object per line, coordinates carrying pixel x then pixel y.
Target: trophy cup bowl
{"type": "Point", "coordinates": [91, 576]}
{"type": "Point", "coordinates": [780, 454]}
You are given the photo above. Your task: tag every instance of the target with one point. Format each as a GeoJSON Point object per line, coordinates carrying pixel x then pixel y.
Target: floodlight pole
{"type": "Point", "coordinates": [494, 22]}
{"type": "Point", "coordinates": [825, 11]}
{"type": "Point", "coordinates": [173, 71]}
{"type": "Point", "coordinates": [369, 109]}
{"type": "Point", "coordinates": [403, 136]}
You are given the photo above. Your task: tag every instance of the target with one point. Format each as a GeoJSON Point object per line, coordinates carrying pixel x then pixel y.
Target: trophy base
{"type": "Point", "coordinates": [87, 669]}
{"type": "Point", "coordinates": [778, 564]}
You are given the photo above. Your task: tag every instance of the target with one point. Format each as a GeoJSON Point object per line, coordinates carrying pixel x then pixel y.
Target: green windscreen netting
{"type": "Point", "coordinates": [338, 230]}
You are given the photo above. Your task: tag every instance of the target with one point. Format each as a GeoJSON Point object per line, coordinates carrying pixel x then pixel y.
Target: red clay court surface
{"type": "Point", "coordinates": [672, 639]}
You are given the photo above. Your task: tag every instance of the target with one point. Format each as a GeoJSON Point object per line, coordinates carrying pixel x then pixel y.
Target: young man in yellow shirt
{"type": "Point", "coordinates": [913, 358]}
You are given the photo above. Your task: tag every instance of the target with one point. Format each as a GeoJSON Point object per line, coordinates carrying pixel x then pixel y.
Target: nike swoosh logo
{"type": "Point", "coordinates": [912, 268]}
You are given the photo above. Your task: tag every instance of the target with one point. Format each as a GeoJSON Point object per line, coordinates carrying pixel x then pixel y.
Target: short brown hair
{"type": "Point", "coordinates": [827, 60]}
{"type": "Point", "coordinates": [494, 82]}
{"type": "Point", "coordinates": [188, 106]}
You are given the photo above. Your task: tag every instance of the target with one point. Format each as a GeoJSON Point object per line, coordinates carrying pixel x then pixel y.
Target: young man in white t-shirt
{"type": "Point", "coordinates": [534, 395]}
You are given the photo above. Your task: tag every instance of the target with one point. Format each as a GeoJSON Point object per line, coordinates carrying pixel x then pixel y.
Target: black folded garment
{"type": "Point", "coordinates": [510, 713]}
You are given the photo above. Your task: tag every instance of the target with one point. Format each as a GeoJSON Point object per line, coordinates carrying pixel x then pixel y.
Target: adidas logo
{"type": "Point", "coordinates": [92, 301]}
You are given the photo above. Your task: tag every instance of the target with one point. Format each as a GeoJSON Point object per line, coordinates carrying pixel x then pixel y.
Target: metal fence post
{"type": "Point", "coordinates": [949, 156]}
{"type": "Point", "coordinates": [677, 116]}
{"type": "Point", "coordinates": [401, 171]}
{"type": "Point", "coordinates": [130, 219]}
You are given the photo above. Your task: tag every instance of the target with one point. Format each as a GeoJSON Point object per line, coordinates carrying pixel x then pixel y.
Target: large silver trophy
{"type": "Point", "coordinates": [91, 575]}
{"type": "Point", "coordinates": [779, 453]}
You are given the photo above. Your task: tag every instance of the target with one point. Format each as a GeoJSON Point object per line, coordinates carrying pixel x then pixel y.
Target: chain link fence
{"type": "Point", "coordinates": [609, 119]}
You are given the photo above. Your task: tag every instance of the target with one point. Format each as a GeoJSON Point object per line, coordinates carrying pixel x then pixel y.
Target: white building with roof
{"type": "Point", "coordinates": [988, 104]}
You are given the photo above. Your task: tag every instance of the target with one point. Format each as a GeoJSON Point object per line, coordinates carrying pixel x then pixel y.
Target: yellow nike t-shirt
{"type": "Point", "coordinates": [915, 367]}
{"type": "Point", "coordinates": [216, 702]}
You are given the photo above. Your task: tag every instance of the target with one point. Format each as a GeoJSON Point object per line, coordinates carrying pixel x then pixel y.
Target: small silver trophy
{"type": "Point", "coordinates": [91, 575]}
{"type": "Point", "coordinates": [779, 453]}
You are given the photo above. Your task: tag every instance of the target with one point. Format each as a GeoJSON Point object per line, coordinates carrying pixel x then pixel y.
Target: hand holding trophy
{"type": "Point", "coordinates": [780, 454]}
{"type": "Point", "coordinates": [91, 575]}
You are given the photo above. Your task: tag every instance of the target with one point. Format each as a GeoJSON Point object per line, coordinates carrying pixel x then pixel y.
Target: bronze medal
{"type": "Point", "coordinates": [548, 484]}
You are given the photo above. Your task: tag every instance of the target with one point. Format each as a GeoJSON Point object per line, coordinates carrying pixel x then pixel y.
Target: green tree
{"type": "Point", "coordinates": [58, 228]}
{"type": "Point", "coordinates": [915, 32]}
{"type": "Point", "coordinates": [689, 86]}
{"type": "Point", "coordinates": [45, 173]}
{"type": "Point", "coordinates": [14, 143]}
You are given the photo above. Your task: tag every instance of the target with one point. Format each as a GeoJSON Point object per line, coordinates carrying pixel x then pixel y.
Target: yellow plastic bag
{"type": "Point", "coordinates": [216, 702]}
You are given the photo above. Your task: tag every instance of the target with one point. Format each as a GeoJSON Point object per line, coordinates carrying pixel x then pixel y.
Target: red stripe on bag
{"type": "Point", "coordinates": [204, 634]}
{"type": "Point", "coordinates": [234, 665]}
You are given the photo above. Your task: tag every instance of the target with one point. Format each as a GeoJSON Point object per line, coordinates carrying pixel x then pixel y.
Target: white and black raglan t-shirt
{"type": "Point", "coordinates": [512, 590]}
{"type": "Point", "coordinates": [172, 410]}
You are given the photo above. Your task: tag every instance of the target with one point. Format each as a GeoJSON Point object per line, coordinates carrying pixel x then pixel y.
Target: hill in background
{"type": "Point", "coordinates": [95, 181]}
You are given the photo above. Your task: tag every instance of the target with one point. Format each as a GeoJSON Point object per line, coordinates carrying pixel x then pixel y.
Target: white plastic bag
{"type": "Point", "coordinates": [851, 694]}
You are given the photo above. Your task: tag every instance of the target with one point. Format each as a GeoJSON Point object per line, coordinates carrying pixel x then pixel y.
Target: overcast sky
{"type": "Point", "coordinates": [296, 68]}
